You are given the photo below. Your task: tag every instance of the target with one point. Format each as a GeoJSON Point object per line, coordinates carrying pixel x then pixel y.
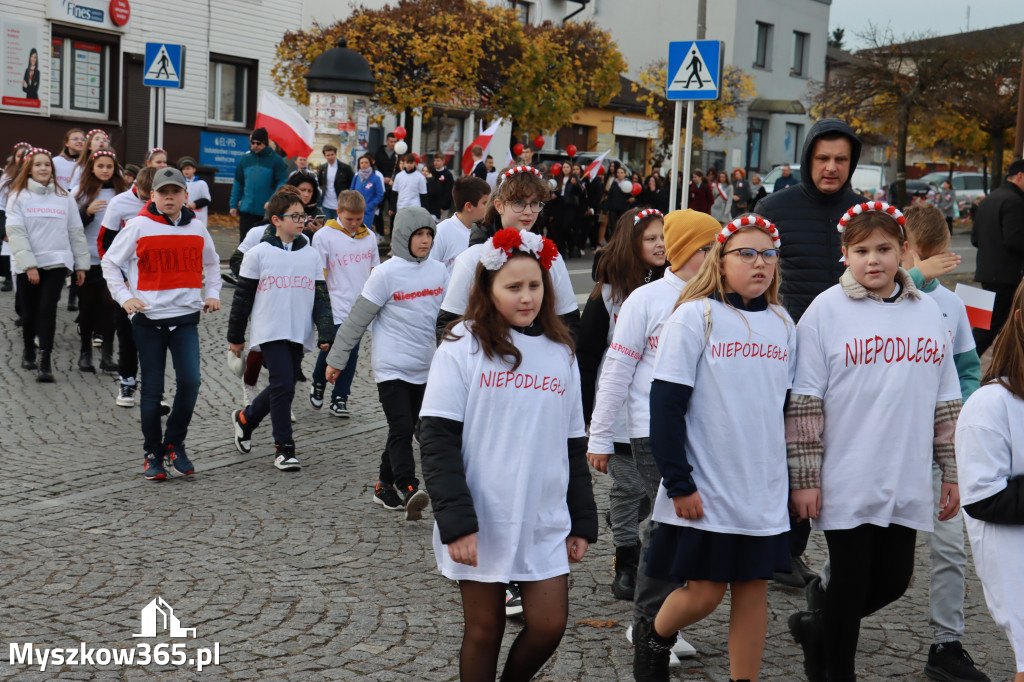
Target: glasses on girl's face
{"type": "Point", "coordinates": [295, 217]}
{"type": "Point", "coordinates": [520, 206]}
{"type": "Point", "coordinates": [769, 256]}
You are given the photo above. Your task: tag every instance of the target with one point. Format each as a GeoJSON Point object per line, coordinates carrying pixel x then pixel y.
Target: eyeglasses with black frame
{"type": "Point", "coordinates": [748, 255]}
{"type": "Point", "coordinates": [295, 217]}
{"type": "Point", "coordinates": [520, 206]}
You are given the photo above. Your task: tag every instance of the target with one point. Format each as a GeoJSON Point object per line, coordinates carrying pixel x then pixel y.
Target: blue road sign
{"type": "Point", "coordinates": [164, 66]}
{"type": "Point", "coordinates": [694, 70]}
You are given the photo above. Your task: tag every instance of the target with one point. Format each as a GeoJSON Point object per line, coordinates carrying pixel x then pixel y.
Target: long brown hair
{"type": "Point", "coordinates": [89, 185]}
{"type": "Point", "coordinates": [1007, 367]}
{"type": "Point", "coordinates": [519, 187]}
{"type": "Point", "coordinates": [25, 172]}
{"type": "Point", "coordinates": [14, 163]}
{"type": "Point", "coordinates": [86, 154]}
{"type": "Point", "coordinates": [492, 330]}
{"type": "Point", "coordinates": [620, 264]}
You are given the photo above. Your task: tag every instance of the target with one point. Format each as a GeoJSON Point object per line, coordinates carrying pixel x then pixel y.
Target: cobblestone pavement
{"type": "Point", "coordinates": [298, 575]}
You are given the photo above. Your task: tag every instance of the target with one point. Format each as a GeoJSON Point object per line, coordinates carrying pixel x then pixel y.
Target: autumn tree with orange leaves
{"type": "Point", "coordinates": [421, 52]}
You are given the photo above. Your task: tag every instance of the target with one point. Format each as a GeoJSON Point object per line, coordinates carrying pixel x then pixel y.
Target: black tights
{"type": "Point", "coordinates": [39, 308]}
{"type": "Point", "coordinates": [95, 308]}
{"type": "Point", "coordinates": [871, 567]}
{"type": "Point", "coordinates": [545, 610]}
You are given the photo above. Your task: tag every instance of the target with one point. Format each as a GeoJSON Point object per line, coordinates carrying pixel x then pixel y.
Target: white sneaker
{"type": "Point", "coordinates": [681, 649]}
{"type": "Point", "coordinates": [294, 420]}
{"type": "Point", "coordinates": [249, 394]}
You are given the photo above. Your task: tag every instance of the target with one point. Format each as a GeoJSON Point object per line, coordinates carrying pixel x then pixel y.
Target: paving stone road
{"type": "Point", "coordinates": [298, 576]}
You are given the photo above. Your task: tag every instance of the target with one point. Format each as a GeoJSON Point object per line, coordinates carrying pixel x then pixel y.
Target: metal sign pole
{"type": "Point", "coordinates": [674, 177]}
{"type": "Point", "coordinates": [152, 118]}
{"type": "Point", "coordinates": [686, 156]}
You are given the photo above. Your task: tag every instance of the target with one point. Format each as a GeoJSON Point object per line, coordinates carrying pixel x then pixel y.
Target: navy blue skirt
{"type": "Point", "coordinates": [681, 553]}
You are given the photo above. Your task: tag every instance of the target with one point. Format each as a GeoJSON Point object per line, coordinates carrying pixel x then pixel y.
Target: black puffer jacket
{"type": "Point", "coordinates": [807, 218]}
{"type": "Point", "coordinates": [998, 232]}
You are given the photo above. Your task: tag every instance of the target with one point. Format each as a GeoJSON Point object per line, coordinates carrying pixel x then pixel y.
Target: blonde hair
{"type": "Point", "coordinates": [927, 228]}
{"type": "Point", "coordinates": [709, 282]}
{"type": "Point", "coordinates": [351, 201]}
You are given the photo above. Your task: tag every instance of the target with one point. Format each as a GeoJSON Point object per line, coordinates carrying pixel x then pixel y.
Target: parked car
{"type": "Point", "coordinates": [867, 179]}
{"type": "Point", "coordinates": [969, 186]}
{"type": "Point", "coordinates": [916, 189]}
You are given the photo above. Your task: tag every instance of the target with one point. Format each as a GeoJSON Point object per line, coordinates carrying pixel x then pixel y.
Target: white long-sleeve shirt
{"type": "Point", "coordinates": [45, 230]}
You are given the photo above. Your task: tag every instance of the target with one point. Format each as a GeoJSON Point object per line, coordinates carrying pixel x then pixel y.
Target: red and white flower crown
{"type": "Point", "coordinates": [647, 213]}
{"type": "Point", "coordinates": [498, 248]}
{"type": "Point", "coordinates": [155, 150]}
{"type": "Point", "coordinates": [22, 144]}
{"type": "Point", "coordinates": [750, 221]}
{"type": "Point", "coordinates": [104, 152]}
{"type": "Point", "coordinates": [32, 151]}
{"type": "Point", "coordinates": [879, 206]}
{"type": "Point", "coordinates": [520, 169]}
{"type": "Point", "coordinates": [97, 130]}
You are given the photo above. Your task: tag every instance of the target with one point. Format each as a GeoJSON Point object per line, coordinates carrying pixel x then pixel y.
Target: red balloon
{"type": "Point", "coordinates": [538, 141]}
{"type": "Point", "coordinates": [571, 150]}
{"type": "Point", "coordinates": [556, 169]}
{"type": "Point", "coordinates": [517, 149]}
{"type": "Point", "coordinates": [400, 132]}
{"type": "Point", "coordinates": [637, 189]}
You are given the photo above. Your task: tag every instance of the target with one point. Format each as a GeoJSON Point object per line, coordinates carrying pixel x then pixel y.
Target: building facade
{"type": "Point", "coordinates": [91, 64]}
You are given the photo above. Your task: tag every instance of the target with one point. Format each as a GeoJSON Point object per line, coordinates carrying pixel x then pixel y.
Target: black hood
{"type": "Point", "coordinates": [300, 176]}
{"type": "Point", "coordinates": [828, 125]}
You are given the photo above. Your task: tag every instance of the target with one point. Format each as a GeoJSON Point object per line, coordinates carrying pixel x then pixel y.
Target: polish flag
{"type": "Point", "coordinates": [484, 140]}
{"type": "Point", "coordinates": [284, 125]}
{"type": "Point", "coordinates": [591, 171]}
{"type": "Point", "coordinates": [979, 305]}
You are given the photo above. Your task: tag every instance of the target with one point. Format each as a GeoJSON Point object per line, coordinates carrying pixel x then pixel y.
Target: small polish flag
{"type": "Point", "coordinates": [284, 125]}
{"type": "Point", "coordinates": [591, 171]}
{"type": "Point", "coordinates": [979, 305]}
{"type": "Point", "coordinates": [484, 140]}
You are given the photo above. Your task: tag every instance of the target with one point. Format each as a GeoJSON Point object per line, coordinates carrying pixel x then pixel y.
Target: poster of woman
{"type": "Point", "coordinates": [21, 64]}
{"type": "Point", "coordinates": [30, 84]}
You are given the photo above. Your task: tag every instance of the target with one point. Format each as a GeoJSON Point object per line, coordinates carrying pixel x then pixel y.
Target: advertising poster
{"type": "Point", "coordinates": [222, 151]}
{"type": "Point", "coordinates": [21, 60]}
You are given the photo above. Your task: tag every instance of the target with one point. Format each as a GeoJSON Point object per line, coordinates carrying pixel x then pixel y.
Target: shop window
{"type": "Point", "coordinates": [633, 152]}
{"type": "Point", "coordinates": [228, 92]}
{"type": "Point", "coordinates": [79, 77]}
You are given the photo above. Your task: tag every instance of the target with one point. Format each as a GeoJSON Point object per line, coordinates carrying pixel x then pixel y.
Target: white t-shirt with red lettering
{"type": "Point", "coordinates": [514, 448]}
{"type": "Point", "coordinates": [629, 362]}
{"type": "Point", "coordinates": [283, 309]}
{"type": "Point", "coordinates": [735, 430]}
{"type": "Point", "coordinates": [404, 337]}
{"type": "Point", "coordinates": [348, 262]}
{"type": "Point", "coordinates": [880, 369]}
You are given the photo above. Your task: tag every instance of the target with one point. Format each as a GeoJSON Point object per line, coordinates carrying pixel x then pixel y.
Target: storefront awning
{"type": "Point", "coordinates": [777, 106]}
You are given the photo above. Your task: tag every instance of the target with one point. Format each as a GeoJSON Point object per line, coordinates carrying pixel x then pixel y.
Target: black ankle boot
{"type": "Point", "coordinates": [107, 363]}
{"type": "Point", "coordinates": [28, 359]}
{"type": "Point", "coordinates": [626, 560]}
{"type": "Point", "coordinates": [85, 360]}
{"type": "Point", "coordinates": [45, 375]}
{"type": "Point", "coordinates": [651, 654]}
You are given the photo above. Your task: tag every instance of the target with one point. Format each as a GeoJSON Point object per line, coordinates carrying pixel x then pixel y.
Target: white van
{"type": "Point", "coordinates": [867, 179]}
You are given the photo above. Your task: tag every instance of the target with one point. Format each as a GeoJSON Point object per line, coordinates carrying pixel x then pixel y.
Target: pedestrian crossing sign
{"type": "Point", "coordinates": [164, 66]}
{"type": "Point", "coordinates": [694, 70]}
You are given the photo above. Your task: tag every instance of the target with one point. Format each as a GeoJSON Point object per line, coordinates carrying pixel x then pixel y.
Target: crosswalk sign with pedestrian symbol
{"type": "Point", "coordinates": [694, 70]}
{"type": "Point", "coordinates": [164, 65]}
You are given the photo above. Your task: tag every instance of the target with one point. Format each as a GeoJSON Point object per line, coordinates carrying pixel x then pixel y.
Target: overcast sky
{"type": "Point", "coordinates": [907, 17]}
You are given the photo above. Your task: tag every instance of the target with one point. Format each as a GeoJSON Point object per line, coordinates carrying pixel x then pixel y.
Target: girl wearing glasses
{"type": "Point", "coordinates": [635, 255]}
{"type": "Point", "coordinates": [875, 400]}
{"type": "Point", "coordinates": [726, 358]}
{"type": "Point", "coordinates": [71, 149]}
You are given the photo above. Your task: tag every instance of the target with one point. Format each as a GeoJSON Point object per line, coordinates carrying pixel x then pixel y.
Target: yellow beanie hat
{"type": "Point", "coordinates": [685, 232]}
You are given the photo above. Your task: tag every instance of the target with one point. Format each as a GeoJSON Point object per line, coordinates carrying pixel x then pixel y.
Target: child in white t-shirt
{"type": "Point", "coordinates": [409, 185]}
{"type": "Point", "coordinates": [990, 461]}
{"type": "Point", "coordinates": [400, 299]}
{"type": "Point", "coordinates": [199, 197]}
{"type": "Point", "coordinates": [281, 287]}
{"type": "Point", "coordinates": [349, 251]}
{"type": "Point", "coordinates": [504, 457]}
{"type": "Point", "coordinates": [470, 196]}
{"type": "Point", "coordinates": [726, 358]}
{"type": "Point", "coordinates": [874, 402]}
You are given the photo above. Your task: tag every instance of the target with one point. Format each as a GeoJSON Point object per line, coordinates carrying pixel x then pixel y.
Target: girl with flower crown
{"type": "Point", "coordinates": [725, 361]}
{"type": "Point", "coordinates": [875, 400]}
{"type": "Point", "coordinates": [503, 449]}
{"type": "Point", "coordinates": [101, 182]}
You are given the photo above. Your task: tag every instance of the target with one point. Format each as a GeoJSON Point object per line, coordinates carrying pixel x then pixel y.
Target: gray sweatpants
{"type": "Point", "coordinates": [650, 592]}
{"type": "Point", "coordinates": [947, 586]}
{"type": "Point", "coordinates": [631, 481]}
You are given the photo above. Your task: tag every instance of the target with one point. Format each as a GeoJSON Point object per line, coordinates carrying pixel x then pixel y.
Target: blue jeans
{"type": "Point", "coordinates": [343, 384]}
{"type": "Point", "coordinates": [153, 344]}
{"type": "Point", "coordinates": [329, 213]}
{"type": "Point", "coordinates": [283, 359]}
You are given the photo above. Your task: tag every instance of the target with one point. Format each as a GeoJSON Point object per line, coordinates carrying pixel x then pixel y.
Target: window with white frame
{"type": "Point", "coordinates": [79, 77]}
{"type": "Point", "coordinates": [228, 92]}
{"type": "Point", "coordinates": [801, 41]}
{"type": "Point", "coordinates": [522, 10]}
{"type": "Point", "coordinates": [763, 50]}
